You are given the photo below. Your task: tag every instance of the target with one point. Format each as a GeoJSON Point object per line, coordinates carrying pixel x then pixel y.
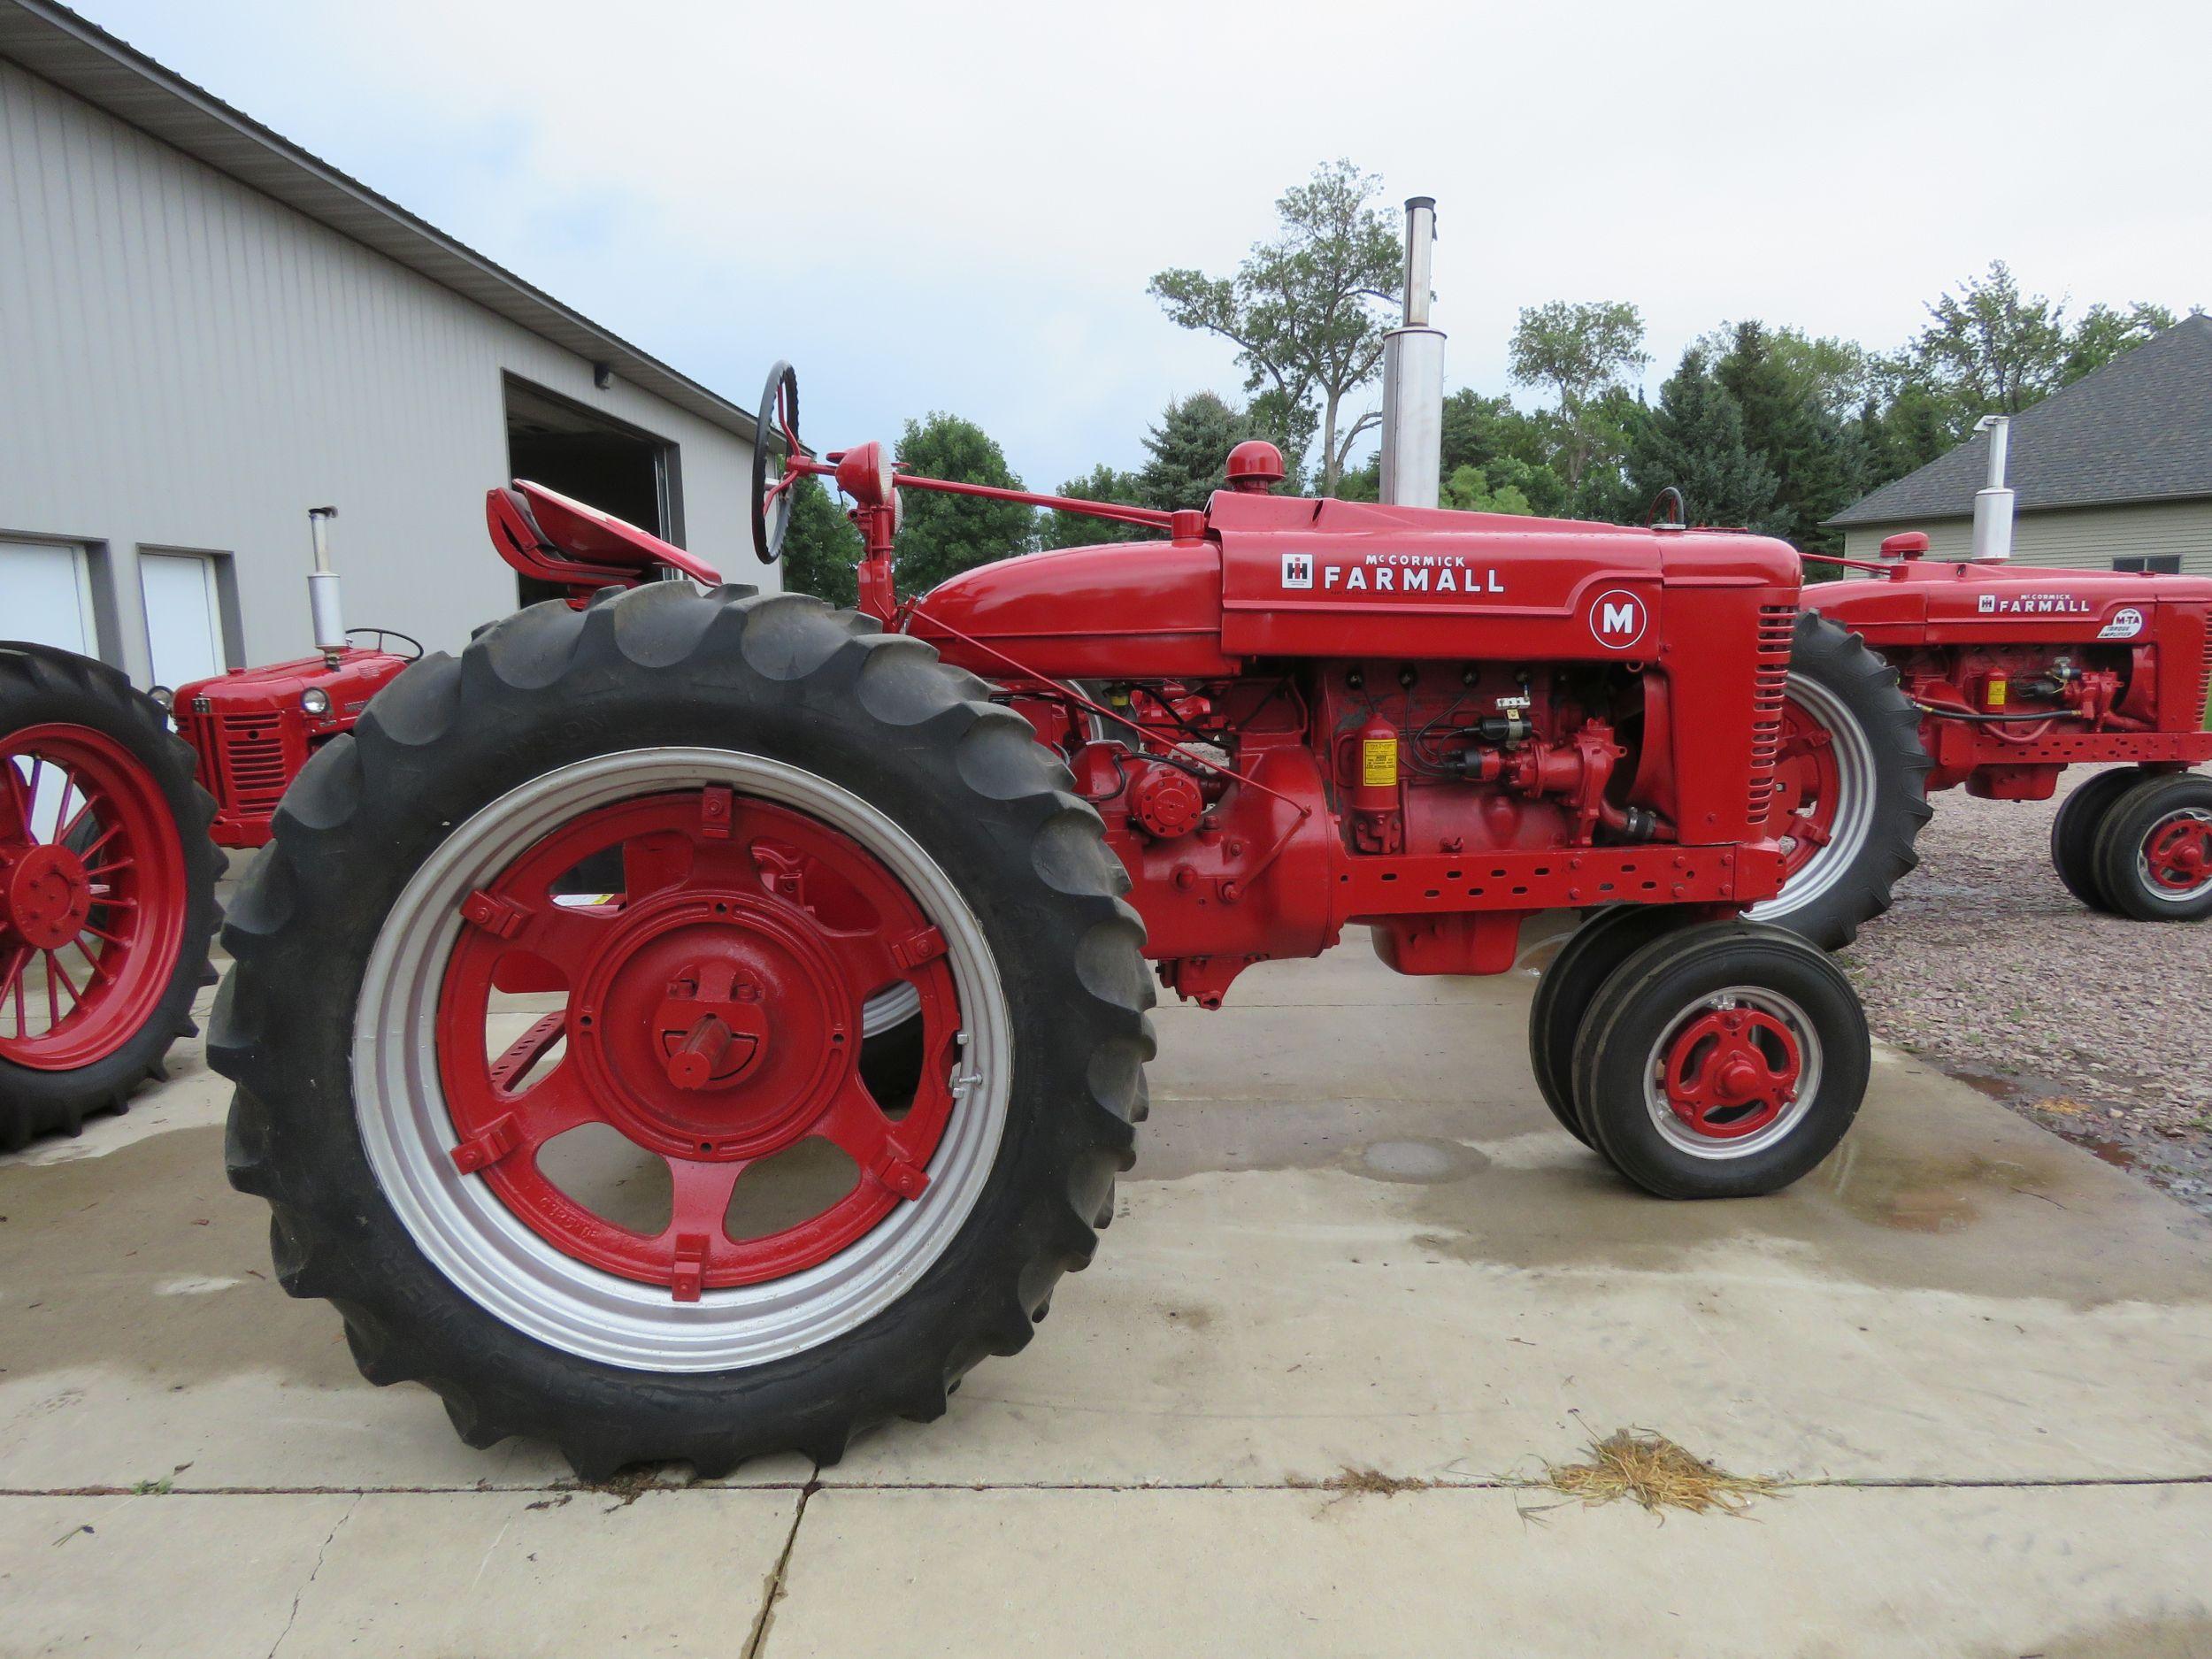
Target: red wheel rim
{"type": "Point", "coordinates": [1807, 786]}
{"type": "Point", "coordinates": [1731, 1072]}
{"type": "Point", "coordinates": [2178, 853]}
{"type": "Point", "coordinates": [92, 897]}
{"type": "Point", "coordinates": [711, 1015]}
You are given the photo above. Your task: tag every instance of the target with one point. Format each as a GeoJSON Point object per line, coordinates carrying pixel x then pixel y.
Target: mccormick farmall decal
{"type": "Point", "coordinates": [1393, 573]}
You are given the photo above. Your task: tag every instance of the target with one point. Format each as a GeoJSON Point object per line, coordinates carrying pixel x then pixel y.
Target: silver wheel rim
{"type": "Point", "coordinates": [1685, 1139]}
{"type": "Point", "coordinates": [1855, 811]}
{"type": "Point", "coordinates": [491, 1256]}
{"type": "Point", "coordinates": [2158, 890]}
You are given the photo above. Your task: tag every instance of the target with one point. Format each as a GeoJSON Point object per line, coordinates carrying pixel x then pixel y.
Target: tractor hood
{"type": "Point", "coordinates": [1946, 602]}
{"type": "Point", "coordinates": [1282, 576]}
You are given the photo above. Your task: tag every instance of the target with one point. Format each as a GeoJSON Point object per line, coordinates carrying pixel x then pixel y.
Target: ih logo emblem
{"type": "Point", "coordinates": [1617, 619]}
{"type": "Point", "coordinates": [1297, 570]}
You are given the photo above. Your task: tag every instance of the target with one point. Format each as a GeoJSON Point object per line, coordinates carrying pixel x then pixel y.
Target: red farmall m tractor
{"type": "Point", "coordinates": [110, 831]}
{"type": "Point", "coordinates": [2014, 675]}
{"type": "Point", "coordinates": [778, 1126]}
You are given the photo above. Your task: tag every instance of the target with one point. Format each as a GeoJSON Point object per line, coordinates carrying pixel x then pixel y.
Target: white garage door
{"type": "Point", "coordinates": [47, 596]}
{"type": "Point", "coordinates": [184, 616]}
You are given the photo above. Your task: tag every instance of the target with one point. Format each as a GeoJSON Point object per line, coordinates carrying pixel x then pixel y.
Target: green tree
{"type": "Point", "coordinates": [1188, 451]}
{"type": "Point", "coordinates": [1694, 440]}
{"type": "Point", "coordinates": [2105, 333]}
{"type": "Point", "coordinates": [821, 549]}
{"type": "Point", "coordinates": [1473, 489]}
{"type": "Point", "coordinates": [1101, 483]}
{"type": "Point", "coordinates": [1579, 352]}
{"type": "Point", "coordinates": [946, 534]}
{"type": "Point", "coordinates": [1992, 350]}
{"type": "Point", "coordinates": [1818, 460]}
{"type": "Point", "coordinates": [1305, 311]}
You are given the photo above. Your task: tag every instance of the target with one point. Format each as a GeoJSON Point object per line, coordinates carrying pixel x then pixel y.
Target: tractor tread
{"type": "Point", "coordinates": [379, 795]}
{"type": "Point", "coordinates": [40, 683]}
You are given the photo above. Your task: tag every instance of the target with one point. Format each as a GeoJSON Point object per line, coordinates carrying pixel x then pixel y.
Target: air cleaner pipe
{"type": "Point", "coordinates": [1992, 503]}
{"type": "Point", "coordinates": [1413, 375]}
{"type": "Point", "coordinates": [324, 604]}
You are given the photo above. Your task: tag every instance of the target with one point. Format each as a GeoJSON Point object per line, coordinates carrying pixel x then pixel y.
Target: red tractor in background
{"type": "Point", "coordinates": [2014, 675]}
{"type": "Point", "coordinates": [110, 836]}
{"type": "Point", "coordinates": [859, 1012]}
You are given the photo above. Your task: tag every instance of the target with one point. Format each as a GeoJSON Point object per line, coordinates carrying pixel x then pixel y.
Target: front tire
{"type": "Point", "coordinates": [107, 891]}
{"type": "Point", "coordinates": [1571, 984]}
{"type": "Point", "coordinates": [1851, 784]}
{"type": "Point", "coordinates": [813, 816]}
{"type": "Point", "coordinates": [1722, 1061]}
{"type": "Point", "coordinates": [2074, 834]}
{"type": "Point", "coordinates": [2153, 849]}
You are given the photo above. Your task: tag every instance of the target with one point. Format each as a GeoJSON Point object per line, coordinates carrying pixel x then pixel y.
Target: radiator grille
{"type": "Point", "coordinates": [253, 775]}
{"type": "Point", "coordinates": [1777, 627]}
{"type": "Point", "coordinates": [2204, 678]}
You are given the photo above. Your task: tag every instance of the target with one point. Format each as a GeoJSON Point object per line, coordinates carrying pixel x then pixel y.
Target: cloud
{"type": "Point", "coordinates": [959, 206]}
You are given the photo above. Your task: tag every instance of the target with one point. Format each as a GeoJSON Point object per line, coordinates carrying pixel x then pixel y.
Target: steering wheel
{"type": "Point", "coordinates": [775, 440]}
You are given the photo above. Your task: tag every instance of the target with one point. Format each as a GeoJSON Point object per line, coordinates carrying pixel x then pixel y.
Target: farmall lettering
{"type": "Point", "coordinates": [1410, 575]}
{"type": "Point", "coordinates": [2032, 606]}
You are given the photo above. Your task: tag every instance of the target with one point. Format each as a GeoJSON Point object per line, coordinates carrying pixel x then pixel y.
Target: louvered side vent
{"type": "Point", "coordinates": [2204, 679]}
{"type": "Point", "coordinates": [1777, 627]}
{"type": "Point", "coordinates": [253, 773]}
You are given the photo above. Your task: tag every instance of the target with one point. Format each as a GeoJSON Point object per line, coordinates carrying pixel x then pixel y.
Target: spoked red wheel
{"type": "Point", "coordinates": [713, 1014]}
{"type": "Point", "coordinates": [1734, 1069]}
{"type": "Point", "coordinates": [1807, 785]}
{"type": "Point", "coordinates": [92, 883]}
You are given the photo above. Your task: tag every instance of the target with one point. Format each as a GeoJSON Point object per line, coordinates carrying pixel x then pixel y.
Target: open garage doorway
{"type": "Point", "coordinates": [615, 468]}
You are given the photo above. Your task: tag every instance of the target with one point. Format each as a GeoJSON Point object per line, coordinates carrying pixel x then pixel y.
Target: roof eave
{"type": "Point", "coordinates": [57, 45]}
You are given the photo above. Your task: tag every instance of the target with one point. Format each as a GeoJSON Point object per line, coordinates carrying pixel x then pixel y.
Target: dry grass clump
{"type": "Point", "coordinates": [1656, 1473]}
{"type": "Point", "coordinates": [1349, 1482]}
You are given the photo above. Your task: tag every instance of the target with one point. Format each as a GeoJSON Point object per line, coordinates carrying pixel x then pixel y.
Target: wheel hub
{"type": "Point", "coordinates": [49, 896]}
{"type": "Point", "coordinates": [2177, 853]}
{"type": "Point", "coordinates": [713, 1027]}
{"type": "Point", "coordinates": [1731, 1072]}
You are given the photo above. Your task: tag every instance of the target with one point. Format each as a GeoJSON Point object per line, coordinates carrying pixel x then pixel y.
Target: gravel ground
{"type": "Point", "coordinates": [2095, 1027]}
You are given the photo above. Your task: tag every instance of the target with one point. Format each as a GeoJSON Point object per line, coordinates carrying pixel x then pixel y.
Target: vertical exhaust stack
{"type": "Point", "coordinates": [323, 602]}
{"type": "Point", "coordinates": [1413, 376]}
{"type": "Point", "coordinates": [1992, 503]}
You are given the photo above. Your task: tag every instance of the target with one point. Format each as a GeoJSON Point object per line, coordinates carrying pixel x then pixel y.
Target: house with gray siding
{"type": "Point", "coordinates": [2114, 472]}
{"type": "Point", "coordinates": [205, 331]}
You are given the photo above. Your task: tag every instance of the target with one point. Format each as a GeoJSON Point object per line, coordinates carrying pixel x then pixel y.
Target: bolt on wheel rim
{"type": "Point", "coordinates": [1822, 808]}
{"type": "Point", "coordinates": [2174, 863]}
{"type": "Point", "coordinates": [91, 880]}
{"type": "Point", "coordinates": [713, 1015]}
{"type": "Point", "coordinates": [1733, 1073]}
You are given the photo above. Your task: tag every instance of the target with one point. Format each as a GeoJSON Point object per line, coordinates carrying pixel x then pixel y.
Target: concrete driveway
{"type": "Point", "coordinates": [1979, 1361]}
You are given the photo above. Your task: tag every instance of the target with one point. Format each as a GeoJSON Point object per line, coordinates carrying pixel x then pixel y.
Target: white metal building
{"type": "Point", "coordinates": [205, 331]}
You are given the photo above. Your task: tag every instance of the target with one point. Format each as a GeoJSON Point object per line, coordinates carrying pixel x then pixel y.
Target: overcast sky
{"type": "Point", "coordinates": [949, 207]}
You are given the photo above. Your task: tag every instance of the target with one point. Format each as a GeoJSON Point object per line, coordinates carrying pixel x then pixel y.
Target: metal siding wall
{"type": "Point", "coordinates": [185, 363]}
{"type": "Point", "coordinates": [2087, 538]}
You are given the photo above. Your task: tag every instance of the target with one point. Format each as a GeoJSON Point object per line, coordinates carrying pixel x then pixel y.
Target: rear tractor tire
{"type": "Point", "coordinates": [1850, 786]}
{"type": "Point", "coordinates": [861, 920]}
{"type": "Point", "coordinates": [107, 891]}
{"type": "Point", "coordinates": [2153, 856]}
{"type": "Point", "coordinates": [1724, 1060]}
{"type": "Point", "coordinates": [2074, 833]}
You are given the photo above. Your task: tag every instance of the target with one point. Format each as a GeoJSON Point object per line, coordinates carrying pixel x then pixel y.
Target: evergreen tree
{"type": "Point", "coordinates": [1693, 440]}
{"type": "Point", "coordinates": [1819, 462]}
{"type": "Point", "coordinates": [1189, 450]}
{"type": "Point", "coordinates": [1101, 483]}
{"type": "Point", "coordinates": [946, 534]}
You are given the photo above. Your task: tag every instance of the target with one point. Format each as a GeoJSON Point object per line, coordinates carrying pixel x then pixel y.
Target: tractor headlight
{"type": "Point", "coordinates": [315, 701]}
{"type": "Point", "coordinates": [166, 697]}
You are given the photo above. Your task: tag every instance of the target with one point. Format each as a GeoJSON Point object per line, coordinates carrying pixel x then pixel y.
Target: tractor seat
{"type": "Point", "coordinates": [558, 539]}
